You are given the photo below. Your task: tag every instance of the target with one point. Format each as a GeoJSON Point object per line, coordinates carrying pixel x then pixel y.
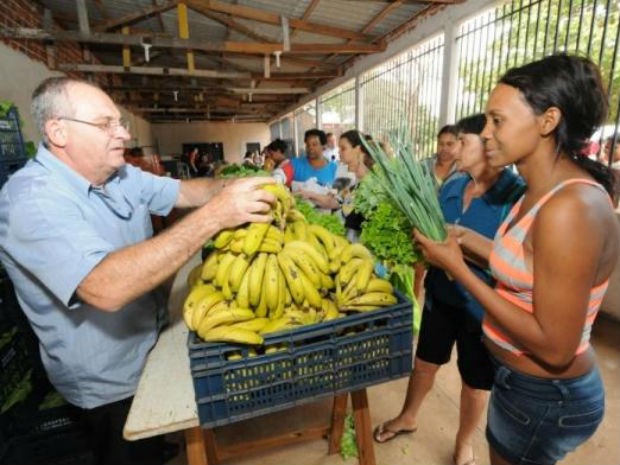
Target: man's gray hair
{"type": "Point", "coordinates": [50, 100]}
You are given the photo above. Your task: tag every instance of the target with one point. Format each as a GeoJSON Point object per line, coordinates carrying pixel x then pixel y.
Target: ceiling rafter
{"type": "Point", "coordinates": [137, 16]}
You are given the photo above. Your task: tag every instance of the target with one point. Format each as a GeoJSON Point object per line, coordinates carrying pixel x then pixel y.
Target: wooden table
{"type": "Point", "coordinates": [165, 403]}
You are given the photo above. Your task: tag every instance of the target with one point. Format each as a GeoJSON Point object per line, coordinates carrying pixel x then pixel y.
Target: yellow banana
{"type": "Point", "coordinates": [307, 265]}
{"type": "Point", "coordinates": [310, 292]}
{"type": "Point", "coordinates": [209, 267]}
{"type": "Point", "coordinates": [300, 230]}
{"type": "Point", "coordinates": [361, 308]}
{"type": "Point", "coordinates": [223, 238]}
{"type": "Point", "coordinates": [237, 271]}
{"type": "Point", "coordinates": [373, 298]}
{"type": "Point", "coordinates": [240, 233]}
{"type": "Point", "coordinates": [193, 299]}
{"type": "Point", "coordinates": [356, 250]}
{"type": "Point", "coordinates": [325, 236]}
{"type": "Point", "coordinates": [295, 215]}
{"type": "Point", "coordinates": [330, 310]}
{"type": "Point", "coordinates": [318, 245]}
{"type": "Point", "coordinates": [275, 234]}
{"type": "Point", "coordinates": [363, 274]}
{"type": "Point", "coordinates": [287, 294]}
{"type": "Point", "coordinates": [236, 246]}
{"type": "Point", "coordinates": [270, 246]}
{"type": "Point", "coordinates": [271, 283]}
{"type": "Point", "coordinates": [292, 274]}
{"type": "Point", "coordinates": [257, 271]}
{"type": "Point", "coordinates": [224, 317]}
{"type": "Point", "coordinates": [278, 325]}
{"type": "Point", "coordinates": [347, 271]}
{"type": "Point", "coordinates": [327, 282]}
{"type": "Point", "coordinates": [281, 193]}
{"type": "Point", "coordinates": [254, 237]}
{"type": "Point", "coordinates": [229, 334]}
{"type": "Point", "coordinates": [221, 274]}
{"type": "Point", "coordinates": [288, 233]}
{"type": "Point", "coordinates": [318, 258]}
{"type": "Point", "coordinates": [379, 285]}
{"type": "Point", "coordinates": [243, 293]}
{"type": "Point", "coordinates": [277, 313]}
{"type": "Point", "coordinates": [261, 308]}
{"type": "Point", "coordinates": [203, 307]}
{"type": "Point", "coordinates": [255, 324]}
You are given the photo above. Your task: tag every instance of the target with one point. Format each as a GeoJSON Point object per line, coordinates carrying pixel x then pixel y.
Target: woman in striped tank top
{"type": "Point", "coordinates": [552, 258]}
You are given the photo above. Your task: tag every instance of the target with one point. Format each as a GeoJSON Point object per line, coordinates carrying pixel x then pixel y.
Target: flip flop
{"type": "Point", "coordinates": [381, 429]}
{"type": "Point", "coordinates": [471, 461]}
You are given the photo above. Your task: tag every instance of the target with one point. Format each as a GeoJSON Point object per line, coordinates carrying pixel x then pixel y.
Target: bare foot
{"type": "Point", "coordinates": [464, 455]}
{"type": "Point", "coordinates": [390, 429]}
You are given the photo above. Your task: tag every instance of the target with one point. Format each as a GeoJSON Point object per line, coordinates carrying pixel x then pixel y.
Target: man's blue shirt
{"type": "Point", "coordinates": [55, 227]}
{"type": "Point", "coordinates": [304, 171]}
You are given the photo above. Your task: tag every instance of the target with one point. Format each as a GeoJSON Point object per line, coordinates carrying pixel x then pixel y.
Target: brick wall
{"type": "Point", "coordinates": [23, 13]}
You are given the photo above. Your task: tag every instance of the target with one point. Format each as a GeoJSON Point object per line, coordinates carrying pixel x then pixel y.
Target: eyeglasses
{"type": "Point", "coordinates": [109, 126]}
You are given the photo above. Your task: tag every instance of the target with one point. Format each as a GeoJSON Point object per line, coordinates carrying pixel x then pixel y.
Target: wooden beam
{"type": "Point", "coordinates": [139, 15]}
{"type": "Point", "coordinates": [153, 71]}
{"type": "Point", "coordinates": [381, 16]}
{"type": "Point", "coordinates": [231, 23]}
{"type": "Point", "coordinates": [184, 33]}
{"type": "Point", "coordinates": [264, 90]}
{"type": "Point", "coordinates": [349, 48]}
{"type": "Point", "coordinates": [272, 18]}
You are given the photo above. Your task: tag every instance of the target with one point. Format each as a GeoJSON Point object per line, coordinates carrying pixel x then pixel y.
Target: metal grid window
{"type": "Point", "coordinates": [522, 31]}
{"type": "Point", "coordinates": [404, 94]}
{"type": "Point", "coordinates": [338, 108]}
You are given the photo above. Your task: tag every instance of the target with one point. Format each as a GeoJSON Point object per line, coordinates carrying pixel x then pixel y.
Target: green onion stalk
{"type": "Point", "coordinates": [410, 185]}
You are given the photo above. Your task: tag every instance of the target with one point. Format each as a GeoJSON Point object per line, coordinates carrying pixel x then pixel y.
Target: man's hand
{"type": "Point", "coordinates": [242, 201]}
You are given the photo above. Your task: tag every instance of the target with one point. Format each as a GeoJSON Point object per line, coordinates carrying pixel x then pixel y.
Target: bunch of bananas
{"type": "Point", "coordinates": [264, 278]}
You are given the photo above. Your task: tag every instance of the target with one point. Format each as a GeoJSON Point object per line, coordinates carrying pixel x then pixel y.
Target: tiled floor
{"type": "Point", "coordinates": [432, 444]}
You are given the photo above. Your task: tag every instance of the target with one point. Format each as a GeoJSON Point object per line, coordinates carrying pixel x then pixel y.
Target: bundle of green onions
{"type": "Point", "coordinates": [411, 186]}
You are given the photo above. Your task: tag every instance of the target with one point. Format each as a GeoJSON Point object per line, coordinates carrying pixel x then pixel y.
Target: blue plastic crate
{"type": "Point", "coordinates": [309, 363]}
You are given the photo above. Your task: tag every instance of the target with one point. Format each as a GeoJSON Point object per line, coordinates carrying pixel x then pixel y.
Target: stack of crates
{"type": "Point", "coordinates": [12, 148]}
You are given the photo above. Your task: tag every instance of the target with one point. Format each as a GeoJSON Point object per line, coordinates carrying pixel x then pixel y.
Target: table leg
{"type": "Point", "coordinates": [363, 428]}
{"type": "Point", "coordinates": [339, 413]}
{"type": "Point", "coordinates": [195, 446]}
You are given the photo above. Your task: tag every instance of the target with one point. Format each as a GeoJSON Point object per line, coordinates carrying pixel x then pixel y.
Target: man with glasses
{"type": "Point", "coordinates": [76, 240]}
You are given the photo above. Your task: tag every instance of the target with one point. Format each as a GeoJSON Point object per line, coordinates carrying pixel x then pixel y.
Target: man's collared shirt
{"type": "Point", "coordinates": [54, 229]}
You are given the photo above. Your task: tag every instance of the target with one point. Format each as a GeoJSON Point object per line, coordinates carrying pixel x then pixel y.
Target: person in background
{"type": "Point", "coordinates": [248, 159]}
{"type": "Point", "coordinates": [552, 258]}
{"type": "Point", "coordinates": [355, 156]}
{"type": "Point", "coordinates": [283, 170]}
{"type": "Point", "coordinates": [330, 152]}
{"type": "Point", "coordinates": [192, 161]}
{"type": "Point", "coordinates": [75, 239]}
{"type": "Point", "coordinates": [314, 165]}
{"type": "Point", "coordinates": [442, 163]}
{"type": "Point", "coordinates": [611, 151]}
{"type": "Point", "coordinates": [479, 201]}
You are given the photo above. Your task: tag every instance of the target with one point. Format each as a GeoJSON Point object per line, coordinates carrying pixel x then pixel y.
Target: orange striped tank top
{"type": "Point", "coordinates": [515, 282]}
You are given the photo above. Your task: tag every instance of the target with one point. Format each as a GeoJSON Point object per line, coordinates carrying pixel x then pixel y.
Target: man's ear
{"type": "Point", "coordinates": [549, 120]}
{"type": "Point", "coordinates": [56, 132]}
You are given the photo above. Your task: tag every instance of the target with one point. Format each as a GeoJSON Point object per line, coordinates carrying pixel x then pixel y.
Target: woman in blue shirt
{"type": "Point", "coordinates": [478, 201]}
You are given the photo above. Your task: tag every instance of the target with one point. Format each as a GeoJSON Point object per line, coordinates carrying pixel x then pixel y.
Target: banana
{"type": "Point", "coordinates": [288, 233]}
{"type": "Point", "coordinates": [314, 242]}
{"type": "Point", "coordinates": [373, 298]}
{"type": "Point", "coordinates": [327, 282]}
{"type": "Point", "coordinates": [229, 334]}
{"type": "Point", "coordinates": [243, 294]}
{"type": "Point", "coordinates": [277, 313]}
{"type": "Point", "coordinates": [307, 265]}
{"type": "Point", "coordinates": [361, 308]}
{"type": "Point", "coordinates": [240, 233]}
{"type": "Point", "coordinates": [254, 237]}
{"type": "Point", "coordinates": [292, 275]}
{"type": "Point", "coordinates": [209, 267]}
{"type": "Point", "coordinates": [223, 238]}
{"type": "Point", "coordinates": [330, 310]}
{"type": "Point", "coordinates": [325, 237]}
{"type": "Point", "coordinates": [221, 274]}
{"type": "Point", "coordinates": [318, 258]}
{"type": "Point", "coordinates": [287, 294]}
{"type": "Point", "coordinates": [193, 277]}
{"type": "Point", "coordinates": [278, 325]}
{"type": "Point", "coordinates": [363, 275]}
{"type": "Point", "coordinates": [300, 230]}
{"type": "Point", "coordinates": [310, 292]}
{"type": "Point", "coordinates": [347, 271]}
{"type": "Point", "coordinates": [193, 299]}
{"type": "Point", "coordinates": [261, 308]}
{"type": "Point", "coordinates": [275, 234]}
{"type": "Point", "coordinates": [270, 246]}
{"type": "Point", "coordinates": [203, 307]}
{"type": "Point", "coordinates": [295, 215]}
{"type": "Point", "coordinates": [271, 283]}
{"type": "Point", "coordinates": [257, 271]}
{"type": "Point", "coordinates": [237, 271]}
{"type": "Point", "coordinates": [224, 317]}
{"type": "Point", "coordinates": [356, 250]}
{"type": "Point", "coordinates": [379, 285]}
{"type": "Point", "coordinates": [236, 246]}
{"type": "Point", "coordinates": [255, 324]}
{"type": "Point", "coordinates": [281, 193]}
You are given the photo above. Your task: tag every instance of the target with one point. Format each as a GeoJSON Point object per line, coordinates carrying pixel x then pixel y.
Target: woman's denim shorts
{"type": "Point", "coordinates": [536, 420]}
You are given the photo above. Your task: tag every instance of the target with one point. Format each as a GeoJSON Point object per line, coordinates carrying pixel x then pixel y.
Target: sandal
{"type": "Point", "coordinates": [381, 429]}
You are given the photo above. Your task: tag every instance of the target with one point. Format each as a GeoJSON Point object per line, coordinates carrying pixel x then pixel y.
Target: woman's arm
{"type": "Point", "coordinates": [327, 201]}
{"type": "Point", "coordinates": [475, 246]}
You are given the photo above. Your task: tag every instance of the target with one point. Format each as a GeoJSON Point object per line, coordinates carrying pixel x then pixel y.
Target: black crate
{"type": "Point", "coordinates": [309, 363]}
{"type": "Point", "coordinates": [12, 148]}
{"type": "Point", "coordinates": [15, 366]}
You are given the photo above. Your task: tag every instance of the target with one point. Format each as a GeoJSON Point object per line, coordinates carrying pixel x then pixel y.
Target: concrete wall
{"type": "Point", "coordinates": [170, 137]}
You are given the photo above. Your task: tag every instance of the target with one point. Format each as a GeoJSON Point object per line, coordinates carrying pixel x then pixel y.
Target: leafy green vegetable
{"type": "Point", "coordinates": [241, 171]}
{"type": "Point", "coordinates": [348, 443]}
{"type": "Point", "coordinates": [329, 221]}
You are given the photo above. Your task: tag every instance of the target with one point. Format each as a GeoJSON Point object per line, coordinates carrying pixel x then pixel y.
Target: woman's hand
{"type": "Point", "coordinates": [446, 255]}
